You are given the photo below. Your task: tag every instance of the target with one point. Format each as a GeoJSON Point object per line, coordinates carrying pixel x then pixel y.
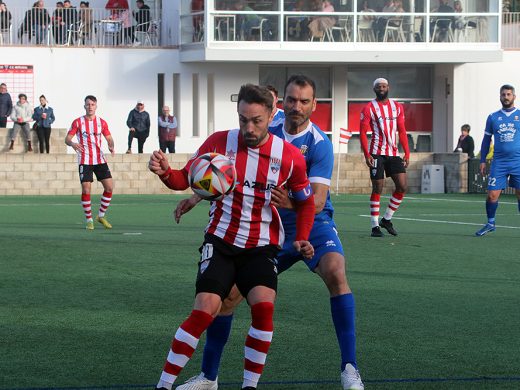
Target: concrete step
{"type": "Point", "coordinates": [56, 142]}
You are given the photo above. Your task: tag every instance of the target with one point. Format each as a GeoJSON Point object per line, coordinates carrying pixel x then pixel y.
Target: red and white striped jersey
{"type": "Point", "coordinates": [385, 121]}
{"type": "Point", "coordinates": [89, 135]}
{"type": "Point", "coordinates": [246, 218]}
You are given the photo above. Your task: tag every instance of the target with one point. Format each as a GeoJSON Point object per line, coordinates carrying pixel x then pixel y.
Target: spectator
{"type": "Point", "coordinates": [381, 21]}
{"type": "Point", "coordinates": [127, 30]}
{"type": "Point", "coordinates": [142, 16]}
{"type": "Point", "coordinates": [5, 21]}
{"type": "Point", "coordinates": [167, 130]}
{"type": "Point", "coordinates": [58, 25]}
{"type": "Point", "coordinates": [138, 123]}
{"type": "Point", "coordinates": [21, 116]}
{"type": "Point", "coordinates": [39, 21]}
{"type": "Point", "coordinates": [465, 143]}
{"type": "Point", "coordinates": [85, 16]}
{"type": "Point", "coordinates": [44, 117]}
{"type": "Point", "coordinates": [198, 20]}
{"type": "Point", "coordinates": [297, 25]}
{"type": "Point", "coordinates": [245, 22]}
{"type": "Point", "coordinates": [6, 105]}
{"type": "Point", "coordinates": [443, 22]}
{"type": "Point", "coordinates": [319, 25]}
{"type": "Point", "coordinates": [70, 19]}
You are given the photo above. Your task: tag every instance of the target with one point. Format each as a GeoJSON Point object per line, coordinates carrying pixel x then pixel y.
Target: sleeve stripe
{"type": "Point", "coordinates": [320, 180]}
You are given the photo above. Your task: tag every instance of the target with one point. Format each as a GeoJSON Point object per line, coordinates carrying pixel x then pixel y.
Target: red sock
{"type": "Point", "coordinates": [104, 203]}
{"type": "Point", "coordinates": [393, 205]}
{"type": "Point", "coordinates": [258, 342]}
{"type": "Point", "coordinates": [374, 209]}
{"type": "Point", "coordinates": [184, 344]}
{"type": "Point", "coordinates": [87, 207]}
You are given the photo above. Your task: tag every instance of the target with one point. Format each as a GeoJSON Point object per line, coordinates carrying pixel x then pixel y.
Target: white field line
{"type": "Point", "coordinates": [446, 222]}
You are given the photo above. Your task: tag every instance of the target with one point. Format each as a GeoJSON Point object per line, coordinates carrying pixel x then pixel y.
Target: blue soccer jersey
{"type": "Point", "coordinates": [504, 126]}
{"type": "Point", "coordinates": [278, 119]}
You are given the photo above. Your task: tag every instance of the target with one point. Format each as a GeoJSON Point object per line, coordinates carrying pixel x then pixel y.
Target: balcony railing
{"type": "Point", "coordinates": [339, 27]}
{"type": "Point", "coordinates": [511, 30]}
{"type": "Point", "coordinates": [78, 27]}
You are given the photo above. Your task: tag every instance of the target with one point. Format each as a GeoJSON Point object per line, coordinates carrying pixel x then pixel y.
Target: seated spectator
{"type": "Point", "coordinates": [297, 25]}
{"type": "Point", "coordinates": [245, 22]}
{"type": "Point", "coordinates": [21, 116]}
{"type": "Point", "coordinates": [319, 25]}
{"type": "Point", "coordinates": [382, 20]}
{"type": "Point", "coordinates": [465, 143]}
{"type": "Point", "coordinates": [443, 25]}
{"type": "Point", "coordinates": [366, 23]}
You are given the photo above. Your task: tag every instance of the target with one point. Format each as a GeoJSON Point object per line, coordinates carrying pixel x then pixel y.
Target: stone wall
{"type": "Point", "coordinates": [23, 173]}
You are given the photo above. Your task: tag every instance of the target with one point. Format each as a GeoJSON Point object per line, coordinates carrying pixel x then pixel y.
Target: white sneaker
{"type": "Point", "coordinates": [350, 378]}
{"type": "Point", "coordinates": [199, 382]}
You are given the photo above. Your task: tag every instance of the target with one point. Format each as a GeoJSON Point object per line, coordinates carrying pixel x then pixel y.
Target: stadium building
{"type": "Point", "coordinates": [446, 66]}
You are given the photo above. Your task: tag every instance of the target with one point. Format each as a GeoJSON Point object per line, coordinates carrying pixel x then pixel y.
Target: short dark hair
{"type": "Point", "coordinates": [3, 85]}
{"type": "Point", "coordinates": [508, 87]}
{"type": "Point", "coordinates": [301, 81]}
{"type": "Point", "coordinates": [42, 96]}
{"type": "Point", "coordinates": [90, 97]}
{"type": "Point", "coordinates": [466, 127]}
{"type": "Point", "coordinates": [22, 95]}
{"type": "Point", "coordinates": [251, 93]}
{"type": "Point", "coordinates": [272, 89]}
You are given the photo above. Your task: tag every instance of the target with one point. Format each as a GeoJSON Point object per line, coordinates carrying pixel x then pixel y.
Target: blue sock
{"type": "Point", "coordinates": [519, 205]}
{"type": "Point", "coordinates": [343, 316]}
{"type": "Point", "coordinates": [216, 338]}
{"type": "Point", "coordinates": [491, 210]}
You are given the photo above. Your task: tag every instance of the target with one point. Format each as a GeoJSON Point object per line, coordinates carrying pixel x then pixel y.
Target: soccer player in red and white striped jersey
{"type": "Point", "coordinates": [244, 232]}
{"type": "Point", "coordinates": [89, 130]}
{"type": "Point", "coordinates": [384, 117]}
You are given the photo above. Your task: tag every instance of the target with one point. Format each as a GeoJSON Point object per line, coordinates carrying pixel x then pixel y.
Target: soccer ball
{"type": "Point", "coordinates": [212, 176]}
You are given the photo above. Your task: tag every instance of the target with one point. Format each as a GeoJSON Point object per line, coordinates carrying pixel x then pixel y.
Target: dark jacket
{"type": "Point", "coordinates": [5, 20]}
{"type": "Point", "coordinates": [6, 105]}
{"type": "Point", "coordinates": [140, 121]}
{"type": "Point", "coordinates": [467, 145]}
{"type": "Point", "coordinates": [37, 116]}
{"type": "Point", "coordinates": [142, 17]}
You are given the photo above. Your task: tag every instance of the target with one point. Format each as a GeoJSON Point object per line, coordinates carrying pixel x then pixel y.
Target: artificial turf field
{"type": "Point", "coordinates": [437, 307]}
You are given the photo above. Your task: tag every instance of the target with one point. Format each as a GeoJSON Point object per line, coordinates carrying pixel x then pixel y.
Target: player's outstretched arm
{"type": "Point", "coordinates": [172, 178]}
{"type": "Point", "coordinates": [185, 205]}
{"type": "Point", "coordinates": [305, 248]}
{"type": "Point", "coordinates": [158, 163]}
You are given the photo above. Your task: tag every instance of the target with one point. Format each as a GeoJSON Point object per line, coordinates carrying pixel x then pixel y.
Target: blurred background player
{"type": "Point", "coordinates": [88, 130]}
{"type": "Point", "coordinates": [244, 232]}
{"type": "Point", "coordinates": [384, 117]}
{"type": "Point", "coordinates": [279, 115]}
{"type": "Point", "coordinates": [504, 126]}
{"type": "Point", "coordinates": [328, 261]}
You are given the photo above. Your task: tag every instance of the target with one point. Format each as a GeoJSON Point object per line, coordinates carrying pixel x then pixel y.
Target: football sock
{"type": "Point", "coordinates": [87, 207]}
{"type": "Point", "coordinates": [519, 205]}
{"type": "Point", "coordinates": [343, 315]}
{"type": "Point", "coordinates": [104, 203]}
{"type": "Point", "coordinates": [491, 210]}
{"type": "Point", "coordinates": [257, 342]}
{"type": "Point", "coordinates": [183, 345]}
{"type": "Point", "coordinates": [216, 338]}
{"type": "Point", "coordinates": [374, 209]}
{"type": "Point", "coordinates": [393, 205]}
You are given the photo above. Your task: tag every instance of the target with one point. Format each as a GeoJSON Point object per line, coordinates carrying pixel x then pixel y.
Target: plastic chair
{"type": "Point", "coordinates": [342, 27]}
{"type": "Point", "coordinates": [423, 143]}
{"type": "Point", "coordinates": [259, 28]}
{"type": "Point", "coordinates": [366, 30]}
{"type": "Point", "coordinates": [74, 34]}
{"type": "Point", "coordinates": [394, 30]}
{"type": "Point", "coordinates": [442, 28]}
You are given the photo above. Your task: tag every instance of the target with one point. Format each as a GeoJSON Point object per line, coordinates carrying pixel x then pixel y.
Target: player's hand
{"type": "Point", "coordinates": [112, 150]}
{"type": "Point", "coordinates": [280, 198]}
{"type": "Point", "coordinates": [132, 129]}
{"type": "Point", "coordinates": [483, 169]}
{"type": "Point", "coordinates": [184, 206]}
{"type": "Point", "coordinates": [369, 161]}
{"type": "Point", "coordinates": [158, 163]}
{"type": "Point", "coordinates": [305, 248]}
{"type": "Point", "coordinates": [406, 161]}
{"type": "Point", "coordinates": [78, 147]}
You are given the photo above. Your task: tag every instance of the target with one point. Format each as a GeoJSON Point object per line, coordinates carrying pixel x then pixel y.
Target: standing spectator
{"type": "Point", "coordinates": [39, 21]}
{"type": "Point", "coordinates": [385, 118]}
{"type": "Point", "coordinates": [465, 143]}
{"type": "Point", "coordinates": [43, 117]}
{"type": "Point", "coordinates": [85, 15]}
{"type": "Point", "coordinates": [142, 16]}
{"type": "Point", "coordinates": [58, 25]}
{"type": "Point", "coordinates": [167, 130]}
{"type": "Point", "coordinates": [244, 232]}
{"type": "Point", "coordinates": [70, 18]}
{"type": "Point", "coordinates": [504, 127]}
{"type": "Point", "coordinates": [6, 105]}
{"type": "Point", "coordinates": [88, 130]}
{"type": "Point", "coordinates": [5, 23]}
{"type": "Point", "coordinates": [21, 116]}
{"type": "Point", "coordinates": [138, 123]}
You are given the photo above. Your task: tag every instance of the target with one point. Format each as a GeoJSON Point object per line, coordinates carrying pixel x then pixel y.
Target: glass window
{"type": "Point", "coordinates": [405, 82]}
{"type": "Point", "coordinates": [278, 75]}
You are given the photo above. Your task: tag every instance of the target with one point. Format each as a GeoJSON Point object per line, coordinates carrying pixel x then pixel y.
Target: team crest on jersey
{"type": "Point", "coordinates": [516, 117]}
{"type": "Point", "coordinates": [275, 164]}
{"type": "Point", "coordinates": [303, 149]}
{"type": "Point", "coordinates": [230, 154]}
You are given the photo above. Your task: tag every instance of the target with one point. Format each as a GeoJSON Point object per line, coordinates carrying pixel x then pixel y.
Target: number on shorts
{"type": "Point", "coordinates": [207, 252]}
{"type": "Point", "coordinates": [492, 181]}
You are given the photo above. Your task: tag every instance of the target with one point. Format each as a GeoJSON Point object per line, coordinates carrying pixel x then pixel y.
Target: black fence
{"type": "Point", "coordinates": [477, 184]}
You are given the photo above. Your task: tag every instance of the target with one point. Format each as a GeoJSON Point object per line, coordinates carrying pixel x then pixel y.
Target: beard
{"type": "Point", "coordinates": [381, 95]}
{"type": "Point", "coordinates": [506, 103]}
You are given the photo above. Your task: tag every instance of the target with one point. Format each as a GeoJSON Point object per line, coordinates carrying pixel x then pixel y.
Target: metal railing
{"type": "Point", "coordinates": [477, 184]}
{"type": "Point", "coordinates": [79, 27]}
{"type": "Point", "coordinates": [511, 30]}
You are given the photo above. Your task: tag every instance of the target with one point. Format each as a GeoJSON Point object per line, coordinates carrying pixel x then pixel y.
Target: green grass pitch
{"type": "Point", "coordinates": [437, 307]}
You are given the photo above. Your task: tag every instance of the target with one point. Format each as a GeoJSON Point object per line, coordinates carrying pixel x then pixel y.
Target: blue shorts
{"type": "Point", "coordinates": [324, 238]}
{"type": "Point", "coordinates": [500, 171]}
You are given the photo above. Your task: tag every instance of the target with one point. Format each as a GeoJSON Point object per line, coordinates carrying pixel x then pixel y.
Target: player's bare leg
{"type": "Point", "coordinates": [401, 185]}
{"type": "Point", "coordinates": [331, 269]}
